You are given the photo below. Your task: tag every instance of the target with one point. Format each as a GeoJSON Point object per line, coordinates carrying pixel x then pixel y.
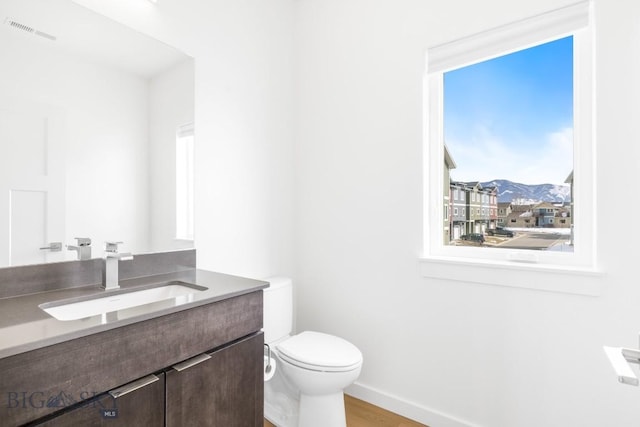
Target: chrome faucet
{"type": "Point", "coordinates": [111, 267]}
{"type": "Point", "coordinates": [83, 247]}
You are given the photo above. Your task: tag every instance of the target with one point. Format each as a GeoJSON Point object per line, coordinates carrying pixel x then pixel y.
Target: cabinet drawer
{"type": "Point", "coordinates": [141, 405]}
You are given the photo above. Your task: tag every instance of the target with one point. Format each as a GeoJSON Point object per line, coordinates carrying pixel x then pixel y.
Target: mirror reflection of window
{"type": "Point", "coordinates": [184, 182]}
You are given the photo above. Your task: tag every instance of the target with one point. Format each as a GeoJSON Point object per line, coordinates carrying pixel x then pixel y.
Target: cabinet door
{"type": "Point", "coordinates": [139, 403]}
{"type": "Point", "coordinates": [222, 388]}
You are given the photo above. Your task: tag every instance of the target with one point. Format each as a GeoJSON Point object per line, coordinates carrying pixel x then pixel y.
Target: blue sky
{"type": "Point", "coordinates": [512, 117]}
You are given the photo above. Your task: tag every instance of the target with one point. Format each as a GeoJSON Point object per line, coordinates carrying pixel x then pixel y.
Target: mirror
{"type": "Point", "coordinates": [92, 114]}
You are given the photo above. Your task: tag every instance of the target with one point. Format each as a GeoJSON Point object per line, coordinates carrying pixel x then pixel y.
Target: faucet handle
{"type": "Point", "coordinates": [112, 246]}
{"type": "Point", "coordinates": [83, 241]}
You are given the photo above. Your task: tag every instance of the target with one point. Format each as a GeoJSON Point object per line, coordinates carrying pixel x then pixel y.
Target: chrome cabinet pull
{"type": "Point", "coordinates": [133, 386]}
{"type": "Point", "coordinates": [191, 362]}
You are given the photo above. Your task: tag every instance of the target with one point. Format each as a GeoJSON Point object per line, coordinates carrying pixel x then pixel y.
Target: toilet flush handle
{"type": "Point", "coordinates": [268, 368]}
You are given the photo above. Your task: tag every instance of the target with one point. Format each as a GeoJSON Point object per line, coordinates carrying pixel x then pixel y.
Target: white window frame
{"type": "Point", "coordinates": [502, 266]}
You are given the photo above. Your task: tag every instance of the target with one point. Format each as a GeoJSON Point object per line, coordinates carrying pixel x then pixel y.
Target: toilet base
{"type": "Point", "coordinates": [322, 411]}
{"type": "Point", "coordinates": [281, 401]}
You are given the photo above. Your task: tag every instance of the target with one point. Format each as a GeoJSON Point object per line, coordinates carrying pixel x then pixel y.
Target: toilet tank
{"type": "Point", "coordinates": [278, 309]}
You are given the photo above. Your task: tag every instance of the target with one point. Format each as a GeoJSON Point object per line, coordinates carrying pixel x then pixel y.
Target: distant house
{"type": "Point", "coordinates": [492, 207]}
{"type": "Point", "coordinates": [552, 216]}
{"type": "Point", "coordinates": [542, 215]}
{"type": "Point", "coordinates": [504, 209]}
{"type": "Point", "coordinates": [520, 219]}
{"type": "Point", "coordinates": [446, 191]}
{"type": "Point", "coordinates": [520, 216]}
{"type": "Point", "coordinates": [460, 216]}
{"type": "Point", "coordinates": [475, 206]}
{"type": "Point", "coordinates": [569, 181]}
{"type": "Point", "coordinates": [483, 206]}
{"type": "Point", "coordinates": [563, 218]}
{"type": "Point", "coordinates": [545, 214]}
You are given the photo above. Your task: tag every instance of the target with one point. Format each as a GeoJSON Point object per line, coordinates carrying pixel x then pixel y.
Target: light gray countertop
{"type": "Point", "coordinates": [24, 326]}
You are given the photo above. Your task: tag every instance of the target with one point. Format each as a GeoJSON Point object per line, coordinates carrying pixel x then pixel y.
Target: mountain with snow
{"type": "Point", "coordinates": [509, 191]}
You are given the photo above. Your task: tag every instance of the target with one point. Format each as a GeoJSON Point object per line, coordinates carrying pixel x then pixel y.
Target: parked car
{"type": "Point", "coordinates": [500, 232]}
{"type": "Point", "coordinates": [473, 237]}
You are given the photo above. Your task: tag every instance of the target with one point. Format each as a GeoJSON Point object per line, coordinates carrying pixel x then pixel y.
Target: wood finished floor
{"type": "Point", "coordinates": [363, 414]}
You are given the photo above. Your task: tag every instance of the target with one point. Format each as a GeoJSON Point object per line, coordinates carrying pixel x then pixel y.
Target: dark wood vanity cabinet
{"type": "Point", "coordinates": [224, 389]}
{"type": "Point", "coordinates": [220, 388]}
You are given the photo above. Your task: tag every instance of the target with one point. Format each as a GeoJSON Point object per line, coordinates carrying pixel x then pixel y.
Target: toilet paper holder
{"type": "Point", "coordinates": [268, 368]}
{"type": "Point", "coordinates": [620, 358]}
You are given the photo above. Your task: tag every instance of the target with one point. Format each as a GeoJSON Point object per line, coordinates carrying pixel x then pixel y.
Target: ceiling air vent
{"type": "Point", "coordinates": [20, 26]}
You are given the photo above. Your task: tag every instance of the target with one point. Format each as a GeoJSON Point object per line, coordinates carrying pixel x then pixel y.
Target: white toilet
{"type": "Point", "coordinates": [311, 368]}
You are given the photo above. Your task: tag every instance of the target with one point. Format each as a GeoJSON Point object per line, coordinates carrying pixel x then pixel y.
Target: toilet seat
{"type": "Point", "coordinates": [320, 352]}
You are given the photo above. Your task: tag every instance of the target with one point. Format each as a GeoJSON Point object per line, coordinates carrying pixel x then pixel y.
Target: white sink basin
{"type": "Point", "coordinates": [75, 309]}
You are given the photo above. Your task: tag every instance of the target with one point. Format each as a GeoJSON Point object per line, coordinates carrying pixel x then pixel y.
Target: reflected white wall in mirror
{"type": "Point", "coordinates": [88, 116]}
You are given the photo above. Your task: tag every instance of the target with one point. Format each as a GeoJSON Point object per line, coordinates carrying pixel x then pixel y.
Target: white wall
{"type": "Point", "coordinates": [171, 104]}
{"type": "Point", "coordinates": [106, 137]}
{"type": "Point", "coordinates": [438, 350]}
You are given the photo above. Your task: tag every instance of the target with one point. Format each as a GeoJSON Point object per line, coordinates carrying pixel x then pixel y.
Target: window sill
{"type": "Point", "coordinates": [548, 278]}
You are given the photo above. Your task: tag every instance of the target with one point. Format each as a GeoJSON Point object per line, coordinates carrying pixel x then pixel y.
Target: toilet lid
{"type": "Point", "coordinates": [320, 352]}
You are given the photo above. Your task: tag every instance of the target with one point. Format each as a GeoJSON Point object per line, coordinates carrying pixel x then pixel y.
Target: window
{"type": "Point", "coordinates": [508, 125]}
{"type": "Point", "coordinates": [184, 182]}
{"type": "Point", "coordinates": [566, 27]}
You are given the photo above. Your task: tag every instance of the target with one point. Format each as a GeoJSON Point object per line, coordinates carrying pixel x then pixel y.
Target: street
{"type": "Point", "coordinates": [532, 240]}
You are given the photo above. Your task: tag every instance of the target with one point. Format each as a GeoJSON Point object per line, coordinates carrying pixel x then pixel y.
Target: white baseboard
{"type": "Point", "coordinates": [400, 406]}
